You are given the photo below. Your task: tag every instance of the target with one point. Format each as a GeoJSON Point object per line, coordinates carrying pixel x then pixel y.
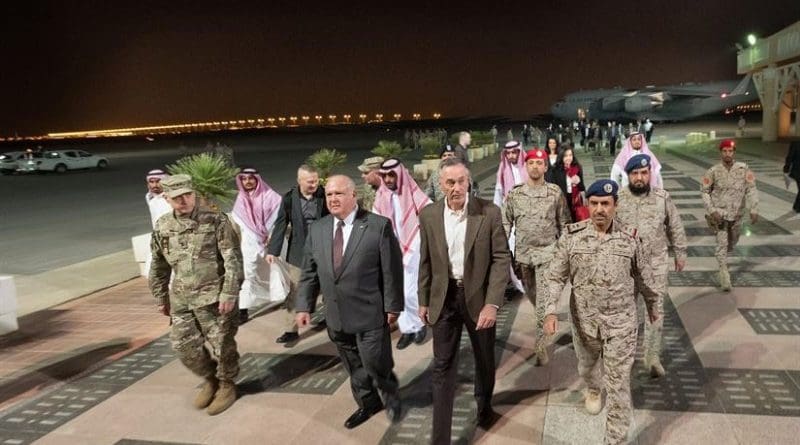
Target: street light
{"type": "Point", "coordinates": [346, 118]}
{"type": "Point", "coordinates": [293, 119]}
{"type": "Point", "coordinates": [751, 39]}
{"type": "Point", "coordinates": [396, 116]}
{"type": "Point", "coordinates": [305, 120]}
{"type": "Point", "coordinates": [363, 117]}
{"type": "Point", "coordinates": [271, 121]}
{"type": "Point", "coordinates": [281, 120]}
{"type": "Point", "coordinates": [436, 115]}
{"type": "Point", "coordinates": [332, 117]}
{"type": "Point", "coordinates": [379, 117]}
{"type": "Point", "coordinates": [318, 118]}
{"type": "Point", "coordinates": [415, 116]}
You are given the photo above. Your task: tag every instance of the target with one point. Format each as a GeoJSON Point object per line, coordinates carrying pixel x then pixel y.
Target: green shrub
{"type": "Point", "coordinates": [390, 149]}
{"type": "Point", "coordinates": [325, 160]}
{"type": "Point", "coordinates": [212, 178]}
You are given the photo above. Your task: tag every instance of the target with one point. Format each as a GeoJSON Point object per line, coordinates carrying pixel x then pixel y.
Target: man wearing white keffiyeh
{"type": "Point", "coordinates": [400, 199]}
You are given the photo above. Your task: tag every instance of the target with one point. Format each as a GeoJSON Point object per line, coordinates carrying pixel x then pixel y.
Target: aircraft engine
{"type": "Point", "coordinates": [637, 104]}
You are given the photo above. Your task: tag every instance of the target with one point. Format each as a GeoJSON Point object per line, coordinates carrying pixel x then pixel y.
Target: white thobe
{"type": "Point", "coordinates": [158, 206]}
{"type": "Point", "coordinates": [256, 269]}
{"type": "Point", "coordinates": [498, 187]}
{"type": "Point", "coordinates": [408, 321]}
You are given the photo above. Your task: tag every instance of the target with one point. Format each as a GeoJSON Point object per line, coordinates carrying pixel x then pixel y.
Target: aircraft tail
{"type": "Point", "coordinates": [742, 87]}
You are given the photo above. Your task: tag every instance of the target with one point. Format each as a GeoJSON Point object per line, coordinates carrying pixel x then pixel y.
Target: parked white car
{"type": "Point", "coordinates": [60, 161]}
{"type": "Point", "coordinates": [19, 162]}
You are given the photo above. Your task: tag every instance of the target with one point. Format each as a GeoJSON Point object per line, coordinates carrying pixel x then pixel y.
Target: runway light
{"type": "Point", "coordinates": [751, 39]}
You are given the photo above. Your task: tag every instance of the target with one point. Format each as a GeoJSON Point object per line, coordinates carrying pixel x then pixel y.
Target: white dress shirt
{"type": "Point", "coordinates": [347, 229]}
{"type": "Point", "coordinates": [455, 231]}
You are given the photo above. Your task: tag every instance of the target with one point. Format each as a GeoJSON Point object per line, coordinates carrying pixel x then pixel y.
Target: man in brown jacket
{"type": "Point", "coordinates": [463, 271]}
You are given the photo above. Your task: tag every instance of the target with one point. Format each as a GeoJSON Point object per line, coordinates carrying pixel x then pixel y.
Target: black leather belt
{"type": "Point", "coordinates": [457, 282]}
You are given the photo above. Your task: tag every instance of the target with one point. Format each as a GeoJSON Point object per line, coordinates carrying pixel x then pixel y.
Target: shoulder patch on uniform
{"type": "Point", "coordinates": [660, 192]}
{"type": "Point", "coordinates": [706, 180]}
{"type": "Point", "coordinates": [750, 177]}
{"type": "Point", "coordinates": [578, 226]}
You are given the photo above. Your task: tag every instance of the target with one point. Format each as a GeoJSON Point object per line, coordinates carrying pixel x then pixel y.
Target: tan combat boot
{"type": "Point", "coordinates": [541, 358]}
{"type": "Point", "coordinates": [206, 394]}
{"type": "Point", "coordinates": [223, 399]}
{"type": "Point", "coordinates": [724, 279]}
{"type": "Point", "coordinates": [593, 403]}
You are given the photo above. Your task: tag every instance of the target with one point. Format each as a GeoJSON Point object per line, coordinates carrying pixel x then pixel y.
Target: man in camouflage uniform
{"type": "Point", "coordinates": [605, 263]}
{"type": "Point", "coordinates": [727, 189]}
{"type": "Point", "coordinates": [538, 212]}
{"type": "Point", "coordinates": [432, 187]}
{"type": "Point", "coordinates": [372, 181]}
{"type": "Point", "coordinates": [653, 214]}
{"type": "Point", "coordinates": [203, 250]}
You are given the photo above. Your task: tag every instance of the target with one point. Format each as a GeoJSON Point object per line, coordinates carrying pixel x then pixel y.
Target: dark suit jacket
{"type": "Point", "coordinates": [292, 212]}
{"type": "Point", "coordinates": [792, 165]}
{"type": "Point", "coordinates": [559, 178]}
{"type": "Point", "coordinates": [486, 258]}
{"type": "Point", "coordinates": [370, 282]}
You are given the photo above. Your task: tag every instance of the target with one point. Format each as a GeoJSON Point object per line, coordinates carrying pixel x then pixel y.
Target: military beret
{"type": "Point", "coordinates": [603, 187]}
{"type": "Point", "coordinates": [727, 143]}
{"type": "Point", "coordinates": [447, 149]}
{"type": "Point", "coordinates": [510, 145]}
{"type": "Point", "coordinates": [637, 161]}
{"type": "Point", "coordinates": [535, 153]}
{"type": "Point", "coordinates": [177, 185]}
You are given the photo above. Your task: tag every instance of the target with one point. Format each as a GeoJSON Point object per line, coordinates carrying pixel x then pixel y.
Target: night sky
{"type": "Point", "coordinates": [110, 64]}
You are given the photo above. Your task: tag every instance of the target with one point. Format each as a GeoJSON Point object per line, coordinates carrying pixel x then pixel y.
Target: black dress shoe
{"type": "Point", "coordinates": [405, 340]}
{"type": "Point", "coordinates": [360, 416]}
{"type": "Point", "coordinates": [288, 337]}
{"type": "Point", "coordinates": [393, 408]}
{"type": "Point", "coordinates": [243, 316]}
{"type": "Point", "coordinates": [419, 337]}
{"type": "Point", "coordinates": [487, 418]}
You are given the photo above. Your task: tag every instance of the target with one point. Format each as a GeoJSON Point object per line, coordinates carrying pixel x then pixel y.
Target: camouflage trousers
{"type": "Point", "coordinates": [536, 289]}
{"type": "Point", "coordinates": [618, 353]}
{"type": "Point", "coordinates": [653, 332]}
{"type": "Point", "coordinates": [727, 234]}
{"type": "Point", "coordinates": [204, 341]}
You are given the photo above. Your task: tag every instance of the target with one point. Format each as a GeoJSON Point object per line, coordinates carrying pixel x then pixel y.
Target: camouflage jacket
{"type": "Point", "coordinates": [203, 251]}
{"type": "Point", "coordinates": [603, 272]}
{"type": "Point", "coordinates": [366, 197]}
{"type": "Point", "coordinates": [729, 191]}
{"type": "Point", "coordinates": [656, 220]}
{"type": "Point", "coordinates": [538, 214]}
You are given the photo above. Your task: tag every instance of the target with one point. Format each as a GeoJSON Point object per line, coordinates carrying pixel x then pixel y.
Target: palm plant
{"type": "Point", "coordinates": [430, 146]}
{"type": "Point", "coordinates": [325, 160]}
{"type": "Point", "coordinates": [390, 149]}
{"type": "Point", "coordinates": [212, 177]}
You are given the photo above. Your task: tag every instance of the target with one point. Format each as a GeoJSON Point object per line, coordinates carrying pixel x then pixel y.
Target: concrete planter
{"type": "Point", "coordinates": [8, 305]}
{"type": "Point", "coordinates": [491, 149]}
{"type": "Point", "coordinates": [431, 164]}
{"type": "Point", "coordinates": [476, 154]}
{"type": "Point", "coordinates": [421, 171]}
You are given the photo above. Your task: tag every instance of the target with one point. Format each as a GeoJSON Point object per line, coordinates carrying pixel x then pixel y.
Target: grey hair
{"type": "Point", "coordinates": [452, 162]}
{"type": "Point", "coordinates": [349, 184]}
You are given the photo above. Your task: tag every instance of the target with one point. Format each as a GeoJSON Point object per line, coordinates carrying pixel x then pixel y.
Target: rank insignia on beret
{"type": "Point", "coordinates": [608, 188]}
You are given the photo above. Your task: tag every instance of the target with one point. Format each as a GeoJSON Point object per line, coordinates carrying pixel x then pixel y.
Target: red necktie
{"type": "Point", "coordinates": [338, 247]}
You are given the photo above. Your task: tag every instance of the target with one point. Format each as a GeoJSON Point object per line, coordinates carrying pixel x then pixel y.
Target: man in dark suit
{"type": "Point", "coordinates": [464, 139]}
{"type": "Point", "coordinates": [301, 206]}
{"type": "Point", "coordinates": [463, 271]}
{"type": "Point", "coordinates": [354, 257]}
{"type": "Point", "coordinates": [792, 168]}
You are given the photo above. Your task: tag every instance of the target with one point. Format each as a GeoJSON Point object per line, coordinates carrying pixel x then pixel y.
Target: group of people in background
{"type": "Point", "coordinates": [391, 253]}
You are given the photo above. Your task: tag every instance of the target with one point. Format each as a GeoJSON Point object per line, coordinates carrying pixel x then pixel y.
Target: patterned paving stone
{"type": "Point", "coordinates": [705, 278]}
{"type": "Point", "coordinates": [684, 389]}
{"type": "Point", "coordinates": [148, 442]}
{"type": "Point", "coordinates": [41, 415]}
{"type": "Point", "coordinates": [776, 321]}
{"type": "Point", "coordinates": [748, 251]}
{"type": "Point", "coordinates": [290, 373]}
{"type": "Point", "coordinates": [689, 205]}
{"type": "Point", "coordinates": [759, 392]}
{"type": "Point", "coordinates": [688, 217]}
{"type": "Point", "coordinates": [602, 170]}
{"type": "Point", "coordinates": [763, 227]}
